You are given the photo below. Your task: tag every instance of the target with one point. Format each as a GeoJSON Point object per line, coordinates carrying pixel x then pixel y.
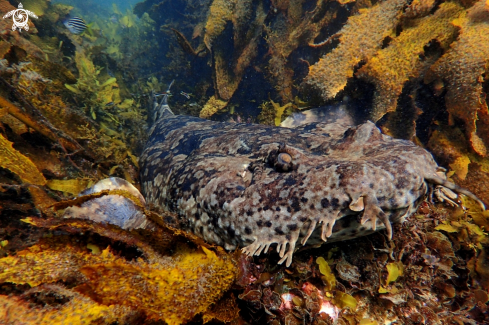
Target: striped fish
{"type": "Point", "coordinates": [75, 25]}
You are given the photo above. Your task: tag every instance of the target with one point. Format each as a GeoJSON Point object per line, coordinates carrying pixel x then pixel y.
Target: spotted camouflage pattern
{"type": "Point", "coordinates": [251, 186]}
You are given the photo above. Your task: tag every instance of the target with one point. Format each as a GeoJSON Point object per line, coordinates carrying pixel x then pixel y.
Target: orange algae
{"type": "Point", "coordinates": [172, 285]}
{"type": "Point", "coordinates": [78, 310]}
{"type": "Point", "coordinates": [48, 262]}
{"type": "Point", "coordinates": [360, 39]}
{"type": "Point", "coordinates": [220, 13]}
{"type": "Point", "coordinates": [285, 33]}
{"type": "Point", "coordinates": [212, 106]}
{"type": "Point", "coordinates": [229, 66]}
{"type": "Point", "coordinates": [19, 164]}
{"type": "Point", "coordinates": [402, 60]}
{"type": "Point", "coordinates": [173, 291]}
{"type": "Point", "coordinates": [419, 8]}
{"type": "Point", "coordinates": [225, 310]}
{"type": "Point", "coordinates": [462, 68]}
{"type": "Point", "coordinates": [41, 199]}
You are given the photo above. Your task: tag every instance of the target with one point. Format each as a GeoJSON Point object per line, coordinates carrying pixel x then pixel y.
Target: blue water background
{"type": "Point", "coordinates": [88, 7]}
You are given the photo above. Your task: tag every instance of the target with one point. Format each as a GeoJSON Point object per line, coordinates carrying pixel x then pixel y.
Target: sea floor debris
{"type": "Point", "coordinates": [431, 273]}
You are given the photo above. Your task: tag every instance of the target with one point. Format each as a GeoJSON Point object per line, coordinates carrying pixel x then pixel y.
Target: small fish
{"type": "Point", "coordinates": [185, 94]}
{"type": "Point", "coordinates": [167, 92]}
{"type": "Point", "coordinates": [164, 93]}
{"type": "Point", "coordinates": [110, 104]}
{"type": "Point", "coordinates": [75, 25]}
{"type": "Point", "coordinates": [160, 94]}
{"type": "Point", "coordinates": [113, 19]}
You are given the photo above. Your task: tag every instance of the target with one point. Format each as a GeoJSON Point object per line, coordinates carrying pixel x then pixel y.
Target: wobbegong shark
{"type": "Point", "coordinates": [253, 186]}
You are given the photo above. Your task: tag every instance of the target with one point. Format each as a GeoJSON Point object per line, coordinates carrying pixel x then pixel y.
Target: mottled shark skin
{"type": "Point", "coordinates": [252, 186]}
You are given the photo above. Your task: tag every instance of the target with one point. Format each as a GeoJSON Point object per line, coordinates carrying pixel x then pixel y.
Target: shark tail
{"type": "Point", "coordinates": [161, 110]}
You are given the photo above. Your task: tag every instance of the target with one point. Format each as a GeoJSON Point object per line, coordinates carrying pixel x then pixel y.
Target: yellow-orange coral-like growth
{"type": "Point", "coordinates": [401, 60]}
{"type": "Point", "coordinates": [462, 67]}
{"type": "Point", "coordinates": [220, 13]}
{"type": "Point", "coordinates": [360, 39]}
{"type": "Point", "coordinates": [212, 106]}
{"type": "Point", "coordinates": [174, 292]}
{"type": "Point", "coordinates": [19, 164]}
{"type": "Point", "coordinates": [78, 310]}
{"type": "Point", "coordinates": [173, 288]}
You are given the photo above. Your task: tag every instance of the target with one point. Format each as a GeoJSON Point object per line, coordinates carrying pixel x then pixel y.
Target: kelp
{"type": "Point", "coordinates": [283, 33]}
{"type": "Point", "coordinates": [128, 20]}
{"type": "Point", "coordinates": [179, 290]}
{"type": "Point", "coordinates": [289, 31]}
{"type": "Point", "coordinates": [19, 164]}
{"type": "Point", "coordinates": [34, 120]}
{"type": "Point", "coordinates": [96, 92]}
{"type": "Point", "coordinates": [273, 113]}
{"type": "Point", "coordinates": [50, 261]}
{"type": "Point", "coordinates": [212, 106]}
{"type": "Point", "coordinates": [170, 285]}
{"type": "Point", "coordinates": [171, 276]}
{"type": "Point", "coordinates": [79, 309]}
{"type": "Point", "coordinates": [328, 277]}
{"type": "Point", "coordinates": [38, 7]}
{"type": "Point", "coordinates": [247, 35]}
{"type": "Point", "coordinates": [72, 186]}
{"type": "Point", "coordinates": [435, 270]}
{"type": "Point", "coordinates": [44, 110]}
{"type": "Point", "coordinates": [103, 103]}
{"type": "Point", "coordinates": [394, 271]}
{"type": "Point", "coordinates": [226, 310]}
{"type": "Point", "coordinates": [42, 199]}
{"type": "Point", "coordinates": [440, 44]}
{"type": "Point", "coordinates": [220, 12]}
{"type": "Point", "coordinates": [462, 68]}
{"type": "Point", "coordinates": [404, 59]}
{"type": "Point", "coordinates": [279, 111]}
{"type": "Point", "coordinates": [359, 40]}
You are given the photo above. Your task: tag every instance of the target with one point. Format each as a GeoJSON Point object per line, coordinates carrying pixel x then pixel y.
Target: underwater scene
{"type": "Point", "coordinates": [244, 162]}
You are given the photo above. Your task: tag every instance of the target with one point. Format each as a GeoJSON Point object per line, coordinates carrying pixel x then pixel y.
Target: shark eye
{"type": "Point", "coordinates": [282, 160]}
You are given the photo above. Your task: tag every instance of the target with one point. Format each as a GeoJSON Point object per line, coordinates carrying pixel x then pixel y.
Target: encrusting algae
{"type": "Point", "coordinates": [462, 68]}
{"type": "Point", "coordinates": [359, 40]}
{"type": "Point", "coordinates": [78, 310]}
{"type": "Point", "coordinates": [413, 55]}
{"type": "Point", "coordinates": [173, 287]}
{"type": "Point", "coordinates": [404, 59]}
{"type": "Point", "coordinates": [212, 106]}
{"type": "Point", "coordinates": [19, 164]}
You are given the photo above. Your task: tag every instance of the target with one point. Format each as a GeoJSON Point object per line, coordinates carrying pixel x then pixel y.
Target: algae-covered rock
{"type": "Point", "coordinates": [172, 285]}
